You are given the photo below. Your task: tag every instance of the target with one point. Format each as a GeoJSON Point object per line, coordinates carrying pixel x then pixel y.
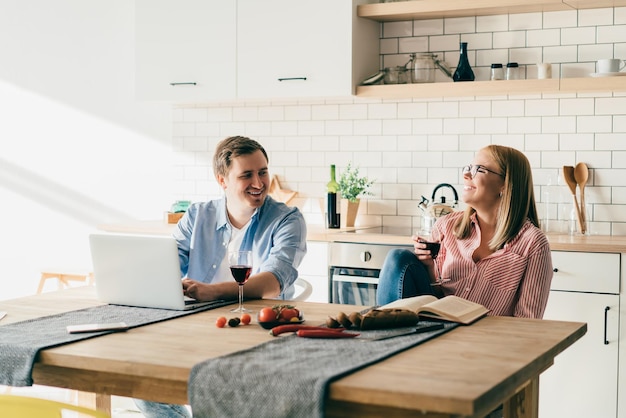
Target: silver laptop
{"type": "Point", "coordinates": [139, 270]}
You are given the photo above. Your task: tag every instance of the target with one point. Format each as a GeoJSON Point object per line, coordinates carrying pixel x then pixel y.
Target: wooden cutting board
{"type": "Point", "coordinates": [278, 193]}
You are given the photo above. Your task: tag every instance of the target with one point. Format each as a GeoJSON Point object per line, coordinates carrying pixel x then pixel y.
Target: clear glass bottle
{"type": "Point", "coordinates": [463, 70]}
{"type": "Point", "coordinates": [332, 210]}
{"type": "Point", "coordinates": [512, 71]}
{"type": "Point", "coordinates": [497, 72]}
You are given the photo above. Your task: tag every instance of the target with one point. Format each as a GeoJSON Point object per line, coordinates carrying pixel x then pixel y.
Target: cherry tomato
{"type": "Point", "coordinates": [288, 313]}
{"type": "Point", "coordinates": [220, 322]}
{"type": "Point", "coordinates": [245, 319]}
{"type": "Point", "coordinates": [267, 314]}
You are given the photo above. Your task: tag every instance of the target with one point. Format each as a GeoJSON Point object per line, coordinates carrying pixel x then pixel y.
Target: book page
{"type": "Point", "coordinates": [413, 303]}
{"type": "Point", "coordinates": [453, 305]}
{"type": "Point", "coordinates": [454, 308]}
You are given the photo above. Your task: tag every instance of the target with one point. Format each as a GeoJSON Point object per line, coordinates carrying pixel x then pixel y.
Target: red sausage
{"type": "Point", "coordinates": [281, 329]}
{"type": "Point", "coordinates": [325, 333]}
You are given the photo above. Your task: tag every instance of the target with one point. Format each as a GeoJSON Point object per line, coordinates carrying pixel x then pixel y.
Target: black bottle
{"type": "Point", "coordinates": [463, 71]}
{"type": "Point", "coordinates": [332, 211]}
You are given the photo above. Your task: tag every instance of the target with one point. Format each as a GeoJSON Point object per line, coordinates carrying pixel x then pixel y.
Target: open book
{"type": "Point", "coordinates": [450, 308]}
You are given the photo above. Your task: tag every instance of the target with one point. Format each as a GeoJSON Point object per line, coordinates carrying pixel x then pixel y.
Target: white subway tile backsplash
{"type": "Point", "coordinates": [619, 15]}
{"type": "Point", "coordinates": [397, 127]}
{"type": "Point", "coordinates": [547, 107]}
{"type": "Point", "coordinates": [459, 25]}
{"type": "Point", "coordinates": [560, 19]}
{"type": "Point", "coordinates": [458, 126]}
{"type": "Point", "coordinates": [594, 124]}
{"type": "Point", "coordinates": [525, 21]}
{"type": "Point", "coordinates": [368, 127]}
{"type": "Point", "coordinates": [413, 44]}
{"type": "Point", "coordinates": [578, 36]}
{"type": "Point", "coordinates": [428, 27]}
{"type": "Point", "coordinates": [397, 29]}
{"type": "Point", "coordinates": [520, 125]}
{"type": "Point", "coordinates": [543, 37]}
{"type": "Point", "coordinates": [389, 46]}
{"type": "Point", "coordinates": [611, 106]}
{"type": "Point", "coordinates": [608, 34]}
{"type": "Point", "coordinates": [497, 23]}
{"type": "Point", "coordinates": [410, 145]}
{"type": "Point", "coordinates": [310, 128]}
{"type": "Point", "coordinates": [554, 54]}
{"type": "Point", "coordinates": [514, 39]}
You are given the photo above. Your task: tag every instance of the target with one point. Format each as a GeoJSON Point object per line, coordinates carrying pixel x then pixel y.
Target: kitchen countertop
{"type": "Point", "coordinates": [392, 236]}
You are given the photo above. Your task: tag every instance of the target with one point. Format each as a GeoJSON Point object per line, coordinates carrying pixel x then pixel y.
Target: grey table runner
{"type": "Point", "coordinates": [20, 342]}
{"type": "Point", "coordinates": [287, 376]}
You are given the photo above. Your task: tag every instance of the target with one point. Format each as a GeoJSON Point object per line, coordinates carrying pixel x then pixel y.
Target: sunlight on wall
{"type": "Point", "coordinates": [63, 172]}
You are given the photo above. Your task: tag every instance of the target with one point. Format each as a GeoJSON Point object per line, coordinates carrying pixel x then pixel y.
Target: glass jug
{"type": "Point", "coordinates": [423, 66]}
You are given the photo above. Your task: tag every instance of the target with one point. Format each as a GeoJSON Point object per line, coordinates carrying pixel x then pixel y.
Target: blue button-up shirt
{"type": "Point", "coordinates": [278, 247]}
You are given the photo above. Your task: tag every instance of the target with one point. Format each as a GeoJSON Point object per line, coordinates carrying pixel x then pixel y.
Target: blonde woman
{"type": "Point", "coordinates": [493, 253]}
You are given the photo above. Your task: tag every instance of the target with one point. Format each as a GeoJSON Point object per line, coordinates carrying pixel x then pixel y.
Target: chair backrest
{"type": "Point", "coordinates": [24, 406]}
{"type": "Point", "coordinates": [304, 289]}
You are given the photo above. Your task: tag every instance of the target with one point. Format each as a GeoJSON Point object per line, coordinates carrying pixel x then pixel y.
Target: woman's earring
{"type": "Point", "coordinates": [500, 194]}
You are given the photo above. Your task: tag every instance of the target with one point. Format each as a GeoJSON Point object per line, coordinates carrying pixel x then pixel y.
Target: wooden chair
{"type": "Point", "coordinates": [64, 277]}
{"type": "Point", "coordinates": [24, 406]}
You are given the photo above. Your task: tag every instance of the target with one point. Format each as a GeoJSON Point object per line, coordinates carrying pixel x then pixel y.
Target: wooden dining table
{"type": "Point", "coordinates": [466, 372]}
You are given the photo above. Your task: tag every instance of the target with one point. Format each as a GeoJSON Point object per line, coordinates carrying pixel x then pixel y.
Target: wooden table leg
{"type": "Point", "coordinates": [98, 401]}
{"type": "Point", "coordinates": [525, 403]}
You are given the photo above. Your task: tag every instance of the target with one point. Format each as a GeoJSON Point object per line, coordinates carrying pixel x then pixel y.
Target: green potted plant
{"type": "Point", "coordinates": [351, 187]}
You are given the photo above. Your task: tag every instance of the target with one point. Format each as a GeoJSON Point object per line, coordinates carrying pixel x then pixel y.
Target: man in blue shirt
{"type": "Point", "coordinates": [245, 218]}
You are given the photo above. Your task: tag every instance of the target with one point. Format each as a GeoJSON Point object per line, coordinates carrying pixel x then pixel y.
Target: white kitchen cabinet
{"type": "Point", "coordinates": [300, 48]}
{"type": "Point", "coordinates": [583, 382]}
{"type": "Point", "coordinates": [314, 269]}
{"type": "Point", "coordinates": [185, 50]}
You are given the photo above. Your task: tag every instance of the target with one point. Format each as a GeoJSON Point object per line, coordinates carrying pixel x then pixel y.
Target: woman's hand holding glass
{"type": "Point", "coordinates": [427, 250]}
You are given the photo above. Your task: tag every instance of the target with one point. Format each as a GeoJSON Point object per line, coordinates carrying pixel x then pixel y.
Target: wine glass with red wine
{"type": "Point", "coordinates": [240, 263]}
{"type": "Point", "coordinates": [434, 248]}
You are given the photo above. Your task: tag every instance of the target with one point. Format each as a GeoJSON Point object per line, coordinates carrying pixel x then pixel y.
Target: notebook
{"type": "Point", "coordinates": [140, 270]}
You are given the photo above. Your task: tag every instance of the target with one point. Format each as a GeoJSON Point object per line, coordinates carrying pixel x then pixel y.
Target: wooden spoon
{"type": "Point", "coordinates": [581, 174]}
{"type": "Point", "coordinates": [570, 179]}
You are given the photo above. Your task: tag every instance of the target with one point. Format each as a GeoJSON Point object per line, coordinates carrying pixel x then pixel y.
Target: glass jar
{"type": "Point", "coordinates": [497, 72]}
{"type": "Point", "coordinates": [395, 75]}
{"type": "Point", "coordinates": [423, 67]}
{"type": "Point", "coordinates": [512, 71]}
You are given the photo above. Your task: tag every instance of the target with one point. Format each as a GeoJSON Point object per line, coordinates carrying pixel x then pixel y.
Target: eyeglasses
{"type": "Point", "coordinates": [473, 169]}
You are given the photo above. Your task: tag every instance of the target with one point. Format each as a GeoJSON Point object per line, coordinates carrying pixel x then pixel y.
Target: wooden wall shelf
{"type": "Point", "coordinates": [437, 9]}
{"type": "Point", "coordinates": [493, 88]}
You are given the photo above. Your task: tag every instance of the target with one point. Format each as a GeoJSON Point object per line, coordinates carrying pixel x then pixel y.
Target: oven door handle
{"type": "Point", "coordinates": [354, 279]}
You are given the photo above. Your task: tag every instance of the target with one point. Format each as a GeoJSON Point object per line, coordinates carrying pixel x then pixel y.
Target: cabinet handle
{"type": "Point", "coordinates": [292, 78]}
{"type": "Point", "coordinates": [186, 83]}
{"type": "Point", "coordinates": [606, 314]}
{"type": "Point", "coordinates": [366, 256]}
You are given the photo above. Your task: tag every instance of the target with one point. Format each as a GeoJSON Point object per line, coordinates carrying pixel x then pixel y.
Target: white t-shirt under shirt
{"type": "Point", "coordinates": [236, 238]}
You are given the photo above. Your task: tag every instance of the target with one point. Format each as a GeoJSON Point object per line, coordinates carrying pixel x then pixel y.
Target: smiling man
{"type": "Point", "coordinates": [244, 218]}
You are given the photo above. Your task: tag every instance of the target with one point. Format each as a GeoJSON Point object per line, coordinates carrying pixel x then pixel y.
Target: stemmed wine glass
{"type": "Point", "coordinates": [434, 247]}
{"type": "Point", "coordinates": [240, 263]}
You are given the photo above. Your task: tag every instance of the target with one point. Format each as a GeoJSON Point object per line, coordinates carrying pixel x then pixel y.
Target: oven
{"type": "Point", "coordinates": [354, 270]}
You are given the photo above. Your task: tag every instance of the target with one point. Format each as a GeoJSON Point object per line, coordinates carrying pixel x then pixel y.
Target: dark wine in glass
{"type": "Point", "coordinates": [240, 263]}
{"type": "Point", "coordinates": [434, 248]}
{"type": "Point", "coordinates": [241, 273]}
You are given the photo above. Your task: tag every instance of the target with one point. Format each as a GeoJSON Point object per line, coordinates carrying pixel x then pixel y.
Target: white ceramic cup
{"type": "Point", "coordinates": [610, 65]}
{"type": "Point", "coordinates": [544, 70]}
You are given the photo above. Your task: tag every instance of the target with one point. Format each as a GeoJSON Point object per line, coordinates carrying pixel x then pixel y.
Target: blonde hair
{"type": "Point", "coordinates": [517, 201]}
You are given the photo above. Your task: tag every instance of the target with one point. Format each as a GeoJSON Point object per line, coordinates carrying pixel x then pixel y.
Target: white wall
{"type": "Point", "coordinates": [76, 149]}
{"type": "Point", "coordinates": [409, 146]}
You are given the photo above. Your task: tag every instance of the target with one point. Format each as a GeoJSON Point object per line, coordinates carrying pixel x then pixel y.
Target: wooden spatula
{"type": "Point", "coordinates": [570, 179]}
